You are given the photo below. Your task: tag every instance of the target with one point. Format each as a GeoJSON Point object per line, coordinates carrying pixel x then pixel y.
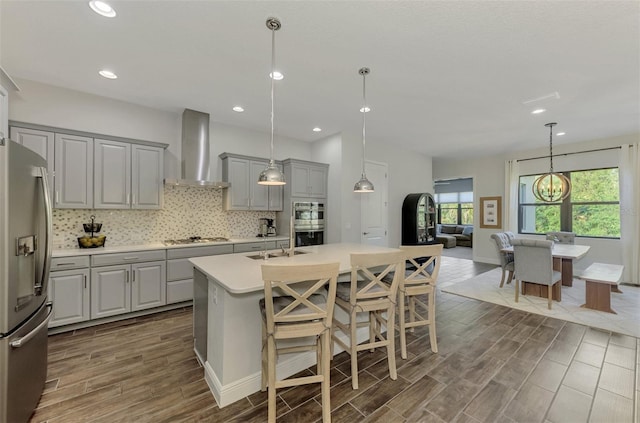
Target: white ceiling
{"type": "Point", "coordinates": [447, 78]}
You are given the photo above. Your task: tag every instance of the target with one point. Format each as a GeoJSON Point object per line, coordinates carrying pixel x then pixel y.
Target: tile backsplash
{"type": "Point", "coordinates": [187, 212]}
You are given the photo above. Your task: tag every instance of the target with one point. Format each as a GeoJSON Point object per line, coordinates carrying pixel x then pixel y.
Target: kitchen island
{"type": "Point", "coordinates": [233, 284]}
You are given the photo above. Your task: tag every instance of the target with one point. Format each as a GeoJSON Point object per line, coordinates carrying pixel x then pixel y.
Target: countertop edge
{"type": "Point", "coordinates": [70, 252]}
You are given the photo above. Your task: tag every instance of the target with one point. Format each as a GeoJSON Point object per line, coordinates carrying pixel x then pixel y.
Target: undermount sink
{"type": "Point", "coordinates": [276, 254]}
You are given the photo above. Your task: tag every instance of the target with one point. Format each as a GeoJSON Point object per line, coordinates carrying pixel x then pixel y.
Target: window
{"type": "Point", "coordinates": [592, 209]}
{"type": "Point", "coordinates": [455, 208]}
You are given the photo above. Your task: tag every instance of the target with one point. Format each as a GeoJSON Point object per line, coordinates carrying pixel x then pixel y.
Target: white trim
{"type": "Point", "coordinates": [235, 391]}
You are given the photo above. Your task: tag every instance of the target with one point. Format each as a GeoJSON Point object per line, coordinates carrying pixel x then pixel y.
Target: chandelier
{"type": "Point", "coordinates": [551, 187]}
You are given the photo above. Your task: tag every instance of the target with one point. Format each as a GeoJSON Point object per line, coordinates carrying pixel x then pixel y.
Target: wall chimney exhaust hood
{"type": "Point", "coordinates": [195, 152]}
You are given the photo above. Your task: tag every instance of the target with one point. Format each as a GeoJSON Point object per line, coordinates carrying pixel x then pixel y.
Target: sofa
{"type": "Point", "coordinates": [454, 235]}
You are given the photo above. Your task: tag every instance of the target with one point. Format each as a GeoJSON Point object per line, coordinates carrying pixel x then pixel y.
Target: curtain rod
{"type": "Point", "coordinates": [568, 154]}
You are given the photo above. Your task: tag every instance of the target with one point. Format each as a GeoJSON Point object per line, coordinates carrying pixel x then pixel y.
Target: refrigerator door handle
{"type": "Point", "coordinates": [41, 287]}
{"type": "Point", "coordinates": [24, 339]}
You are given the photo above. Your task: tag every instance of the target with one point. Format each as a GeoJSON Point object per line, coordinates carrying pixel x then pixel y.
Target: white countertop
{"type": "Point", "coordinates": [240, 274]}
{"type": "Point", "coordinates": [68, 252]}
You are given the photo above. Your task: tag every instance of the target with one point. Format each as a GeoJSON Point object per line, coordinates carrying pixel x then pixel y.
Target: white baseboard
{"type": "Point", "coordinates": [287, 366]}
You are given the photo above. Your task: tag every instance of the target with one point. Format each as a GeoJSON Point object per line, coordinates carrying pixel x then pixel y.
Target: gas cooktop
{"type": "Point", "coordinates": [194, 240]}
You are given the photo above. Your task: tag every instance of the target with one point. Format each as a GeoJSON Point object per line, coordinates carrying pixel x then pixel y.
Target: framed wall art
{"type": "Point", "coordinates": [491, 212]}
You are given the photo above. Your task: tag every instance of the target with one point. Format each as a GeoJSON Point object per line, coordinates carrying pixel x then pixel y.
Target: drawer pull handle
{"type": "Point", "coordinates": [65, 264]}
{"type": "Point", "coordinates": [130, 258]}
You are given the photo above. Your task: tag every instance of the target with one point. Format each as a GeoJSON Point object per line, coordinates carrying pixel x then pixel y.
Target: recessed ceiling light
{"type": "Point", "coordinates": [102, 8]}
{"type": "Point", "coordinates": [238, 109]}
{"type": "Point", "coordinates": [365, 109]}
{"type": "Point", "coordinates": [108, 74]}
{"type": "Point", "coordinates": [276, 75]}
{"type": "Point", "coordinates": [316, 129]}
{"type": "Point", "coordinates": [560, 134]}
{"type": "Point", "coordinates": [538, 111]}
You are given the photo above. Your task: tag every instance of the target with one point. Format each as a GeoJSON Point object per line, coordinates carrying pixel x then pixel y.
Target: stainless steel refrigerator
{"type": "Point", "coordinates": [25, 256]}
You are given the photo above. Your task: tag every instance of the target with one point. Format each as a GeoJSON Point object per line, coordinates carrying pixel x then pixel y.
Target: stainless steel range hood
{"type": "Point", "coordinates": [195, 152]}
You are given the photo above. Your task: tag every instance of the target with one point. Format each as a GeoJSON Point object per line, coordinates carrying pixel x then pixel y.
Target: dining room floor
{"type": "Point", "coordinates": [495, 364]}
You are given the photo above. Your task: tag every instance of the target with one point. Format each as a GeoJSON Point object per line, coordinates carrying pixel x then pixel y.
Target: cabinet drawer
{"type": "Point", "coordinates": [125, 258]}
{"type": "Point", "coordinates": [178, 291]}
{"type": "Point", "coordinates": [179, 269]}
{"type": "Point", "coordinates": [209, 250]}
{"type": "Point", "coordinates": [253, 246]}
{"type": "Point", "coordinates": [64, 263]}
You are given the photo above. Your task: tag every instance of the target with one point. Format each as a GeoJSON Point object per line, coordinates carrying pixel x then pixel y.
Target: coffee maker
{"type": "Point", "coordinates": [267, 228]}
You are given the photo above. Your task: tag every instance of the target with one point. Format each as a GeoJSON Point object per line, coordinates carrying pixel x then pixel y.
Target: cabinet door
{"type": "Point", "coordinates": [259, 198]}
{"type": "Point", "coordinates": [42, 142]}
{"type": "Point", "coordinates": [147, 175]}
{"type": "Point", "coordinates": [237, 174]}
{"type": "Point", "coordinates": [148, 285]}
{"type": "Point", "coordinates": [317, 182]}
{"type": "Point", "coordinates": [73, 172]}
{"type": "Point", "coordinates": [69, 291]}
{"type": "Point", "coordinates": [112, 171]}
{"type": "Point", "coordinates": [110, 291]}
{"type": "Point", "coordinates": [299, 180]}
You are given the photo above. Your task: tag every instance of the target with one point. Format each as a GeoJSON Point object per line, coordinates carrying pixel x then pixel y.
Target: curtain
{"type": "Point", "coordinates": [630, 212]}
{"type": "Point", "coordinates": [511, 183]}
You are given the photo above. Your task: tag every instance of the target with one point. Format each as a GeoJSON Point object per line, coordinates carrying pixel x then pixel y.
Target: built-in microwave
{"type": "Point", "coordinates": [309, 238]}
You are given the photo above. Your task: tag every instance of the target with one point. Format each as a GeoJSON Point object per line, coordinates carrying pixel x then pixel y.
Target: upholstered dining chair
{"type": "Point", "coordinates": [295, 306]}
{"type": "Point", "coordinates": [562, 237]}
{"type": "Point", "coordinates": [366, 292]}
{"type": "Point", "coordinates": [503, 240]}
{"type": "Point", "coordinates": [534, 264]}
{"type": "Point", "coordinates": [418, 285]}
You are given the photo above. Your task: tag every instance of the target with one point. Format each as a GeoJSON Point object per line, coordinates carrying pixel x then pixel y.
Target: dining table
{"type": "Point", "coordinates": [563, 258]}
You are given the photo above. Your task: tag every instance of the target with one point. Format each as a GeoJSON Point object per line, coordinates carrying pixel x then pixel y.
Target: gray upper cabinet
{"type": "Point", "coordinates": [147, 175]}
{"type": "Point", "coordinates": [112, 170]}
{"type": "Point", "coordinates": [245, 193]}
{"type": "Point", "coordinates": [306, 179]}
{"type": "Point", "coordinates": [42, 142]}
{"type": "Point", "coordinates": [127, 175]}
{"type": "Point", "coordinates": [73, 166]}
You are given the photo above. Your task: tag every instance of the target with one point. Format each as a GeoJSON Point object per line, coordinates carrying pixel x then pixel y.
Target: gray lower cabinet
{"type": "Point", "coordinates": [180, 270]}
{"type": "Point", "coordinates": [69, 292]}
{"type": "Point", "coordinates": [127, 287]}
{"type": "Point", "coordinates": [118, 287]}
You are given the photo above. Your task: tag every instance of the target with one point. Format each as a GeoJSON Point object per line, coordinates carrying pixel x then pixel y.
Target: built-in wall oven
{"type": "Point", "coordinates": [308, 223]}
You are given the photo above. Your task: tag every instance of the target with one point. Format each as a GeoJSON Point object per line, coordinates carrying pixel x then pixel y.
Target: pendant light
{"type": "Point", "coordinates": [551, 187]}
{"type": "Point", "coordinates": [363, 185]}
{"type": "Point", "coordinates": [272, 175]}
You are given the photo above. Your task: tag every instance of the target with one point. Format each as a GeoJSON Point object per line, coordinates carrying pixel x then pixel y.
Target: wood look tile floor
{"type": "Point", "coordinates": [494, 364]}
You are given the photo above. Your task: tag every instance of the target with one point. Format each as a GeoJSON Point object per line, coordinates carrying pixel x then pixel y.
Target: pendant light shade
{"type": "Point", "coordinates": [364, 185]}
{"type": "Point", "coordinates": [551, 187]}
{"type": "Point", "coordinates": [272, 174]}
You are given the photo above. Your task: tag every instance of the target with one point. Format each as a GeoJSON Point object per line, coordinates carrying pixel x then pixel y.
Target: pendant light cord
{"type": "Point", "coordinates": [551, 146]}
{"type": "Point", "coordinates": [364, 118]}
{"type": "Point", "coordinates": [273, 70]}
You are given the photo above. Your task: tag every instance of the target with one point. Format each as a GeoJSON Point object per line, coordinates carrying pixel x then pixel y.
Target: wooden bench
{"type": "Point", "coordinates": [601, 279]}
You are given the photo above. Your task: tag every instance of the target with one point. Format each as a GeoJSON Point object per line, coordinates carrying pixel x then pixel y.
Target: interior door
{"type": "Point", "coordinates": [374, 205]}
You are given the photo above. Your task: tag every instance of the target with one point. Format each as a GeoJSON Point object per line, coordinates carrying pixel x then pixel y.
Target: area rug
{"type": "Point", "coordinates": [486, 287]}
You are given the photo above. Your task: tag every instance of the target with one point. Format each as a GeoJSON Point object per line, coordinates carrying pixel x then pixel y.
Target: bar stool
{"type": "Point", "coordinates": [420, 278]}
{"type": "Point", "coordinates": [303, 311]}
{"type": "Point", "coordinates": [367, 293]}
